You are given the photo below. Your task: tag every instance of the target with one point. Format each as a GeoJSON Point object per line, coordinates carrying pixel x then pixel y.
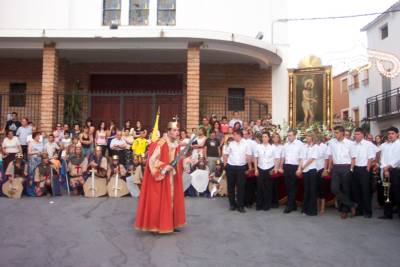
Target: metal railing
{"type": "Point", "coordinates": [384, 105]}
{"type": "Point", "coordinates": [249, 108]}
{"type": "Point", "coordinates": [75, 106]}
{"type": "Point", "coordinates": [24, 104]}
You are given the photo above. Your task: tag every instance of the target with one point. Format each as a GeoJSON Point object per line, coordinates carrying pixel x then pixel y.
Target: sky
{"type": "Point", "coordinates": [331, 38]}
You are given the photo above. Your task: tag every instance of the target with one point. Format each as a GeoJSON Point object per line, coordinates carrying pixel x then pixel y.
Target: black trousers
{"type": "Point", "coordinates": [236, 185]}
{"type": "Point", "coordinates": [341, 186]}
{"type": "Point", "coordinates": [275, 193]}
{"type": "Point", "coordinates": [25, 151]}
{"type": "Point", "coordinates": [289, 172]}
{"type": "Point", "coordinates": [321, 184]}
{"type": "Point", "coordinates": [394, 193]}
{"type": "Point", "coordinates": [362, 190]}
{"type": "Point", "coordinates": [310, 192]}
{"type": "Point", "coordinates": [264, 189]}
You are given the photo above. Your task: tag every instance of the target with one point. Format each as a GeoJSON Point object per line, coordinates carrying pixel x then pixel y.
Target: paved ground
{"type": "Point", "coordinates": [97, 232]}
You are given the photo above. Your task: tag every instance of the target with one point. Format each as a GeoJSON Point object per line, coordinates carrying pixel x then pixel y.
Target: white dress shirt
{"type": "Point", "coordinates": [253, 146]}
{"type": "Point", "coordinates": [291, 152]}
{"type": "Point", "coordinates": [309, 152]}
{"type": "Point", "coordinates": [340, 151]}
{"type": "Point", "coordinates": [322, 156]}
{"type": "Point", "coordinates": [237, 152]}
{"type": "Point", "coordinates": [362, 152]}
{"type": "Point", "coordinates": [266, 155]}
{"type": "Point", "coordinates": [278, 149]}
{"type": "Point", "coordinates": [390, 154]}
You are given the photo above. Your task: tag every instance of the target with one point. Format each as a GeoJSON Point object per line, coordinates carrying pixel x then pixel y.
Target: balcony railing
{"type": "Point", "coordinates": [384, 105]}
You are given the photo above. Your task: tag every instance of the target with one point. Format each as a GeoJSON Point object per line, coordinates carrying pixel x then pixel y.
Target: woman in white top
{"type": "Point", "coordinates": [198, 144]}
{"type": "Point", "coordinates": [265, 161]}
{"type": "Point", "coordinates": [277, 144]}
{"type": "Point", "coordinates": [11, 147]}
{"type": "Point", "coordinates": [101, 137]}
{"type": "Point", "coordinates": [321, 163]}
{"type": "Point", "coordinates": [309, 155]}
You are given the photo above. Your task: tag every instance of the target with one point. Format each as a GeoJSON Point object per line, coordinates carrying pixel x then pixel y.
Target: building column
{"type": "Point", "coordinates": [193, 86]}
{"type": "Point", "coordinates": [49, 88]}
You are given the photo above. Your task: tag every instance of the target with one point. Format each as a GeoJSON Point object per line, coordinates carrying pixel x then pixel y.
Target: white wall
{"type": "Point", "coordinates": [240, 17]}
{"type": "Point", "coordinates": [388, 45]}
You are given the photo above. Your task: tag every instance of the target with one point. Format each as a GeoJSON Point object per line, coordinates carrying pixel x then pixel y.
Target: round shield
{"type": "Point", "coordinates": [132, 187]}
{"type": "Point", "coordinates": [117, 187]}
{"type": "Point", "coordinates": [187, 179]}
{"type": "Point", "coordinates": [14, 189]}
{"type": "Point", "coordinates": [200, 180]}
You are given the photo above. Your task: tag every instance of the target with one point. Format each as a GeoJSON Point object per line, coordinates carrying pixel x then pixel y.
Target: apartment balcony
{"type": "Point", "coordinates": [384, 106]}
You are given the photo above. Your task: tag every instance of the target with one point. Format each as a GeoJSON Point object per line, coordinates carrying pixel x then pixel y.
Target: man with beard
{"type": "Point", "coordinates": [161, 207]}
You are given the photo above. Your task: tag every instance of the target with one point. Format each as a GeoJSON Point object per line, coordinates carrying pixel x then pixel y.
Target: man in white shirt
{"type": "Point", "coordinates": [340, 164]}
{"type": "Point", "coordinates": [362, 154]}
{"type": "Point", "coordinates": [290, 161]}
{"type": "Point", "coordinates": [235, 119]}
{"type": "Point", "coordinates": [390, 163]}
{"type": "Point", "coordinates": [118, 146]}
{"type": "Point", "coordinates": [22, 133]}
{"type": "Point", "coordinates": [237, 157]}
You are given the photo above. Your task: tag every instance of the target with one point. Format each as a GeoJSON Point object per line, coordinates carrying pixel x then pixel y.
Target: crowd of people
{"type": "Point", "coordinates": [229, 150]}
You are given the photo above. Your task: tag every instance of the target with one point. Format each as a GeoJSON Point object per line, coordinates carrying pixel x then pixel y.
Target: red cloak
{"type": "Point", "coordinates": [155, 211]}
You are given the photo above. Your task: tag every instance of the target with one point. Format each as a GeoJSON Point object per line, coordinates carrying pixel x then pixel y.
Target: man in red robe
{"type": "Point", "coordinates": [161, 206]}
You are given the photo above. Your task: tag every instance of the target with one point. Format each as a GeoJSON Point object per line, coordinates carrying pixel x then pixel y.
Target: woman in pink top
{"type": "Point", "coordinates": [224, 126]}
{"type": "Point", "coordinates": [101, 137]}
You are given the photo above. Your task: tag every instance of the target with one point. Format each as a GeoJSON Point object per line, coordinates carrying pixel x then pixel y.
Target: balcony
{"type": "Point", "coordinates": [384, 106]}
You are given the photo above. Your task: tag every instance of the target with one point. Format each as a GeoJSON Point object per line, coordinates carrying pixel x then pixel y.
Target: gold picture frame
{"type": "Point", "coordinates": [310, 96]}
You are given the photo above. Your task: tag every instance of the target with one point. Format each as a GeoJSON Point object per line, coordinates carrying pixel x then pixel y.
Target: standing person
{"type": "Point", "coordinates": [118, 146]}
{"type": "Point", "coordinates": [339, 152]}
{"type": "Point", "coordinates": [218, 134]}
{"type": "Point", "coordinates": [86, 140]}
{"type": "Point", "coordinates": [235, 119]}
{"type": "Point", "coordinates": [138, 129]}
{"type": "Point", "coordinates": [76, 132]}
{"type": "Point", "coordinates": [290, 163]}
{"type": "Point", "coordinates": [139, 146]}
{"type": "Point", "coordinates": [35, 150]}
{"type": "Point", "coordinates": [161, 206]}
{"type": "Point", "coordinates": [390, 164]}
{"type": "Point", "coordinates": [58, 133]}
{"type": "Point", "coordinates": [266, 158]}
{"type": "Point", "coordinates": [198, 144]}
{"type": "Point", "coordinates": [277, 144]}
{"type": "Point", "coordinates": [112, 131]}
{"type": "Point", "coordinates": [362, 154]}
{"type": "Point", "coordinates": [66, 129]}
{"type": "Point", "coordinates": [127, 126]}
{"type": "Point", "coordinates": [206, 125]}
{"type": "Point", "coordinates": [307, 167]}
{"type": "Point", "coordinates": [237, 156]}
{"type": "Point", "coordinates": [212, 151]}
{"type": "Point", "coordinates": [183, 139]}
{"type": "Point", "coordinates": [51, 147]}
{"type": "Point", "coordinates": [13, 124]}
{"type": "Point", "coordinates": [321, 164]}
{"type": "Point", "coordinates": [11, 147]}
{"type": "Point", "coordinates": [22, 133]}
{"type": "Point", "coordinates": [101, 137]}
{"type": "Point", "coordinates": [224, 125]}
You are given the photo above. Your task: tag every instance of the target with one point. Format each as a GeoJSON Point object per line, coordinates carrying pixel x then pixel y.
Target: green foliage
{"type": "Point", "coordinates": [73, 104]}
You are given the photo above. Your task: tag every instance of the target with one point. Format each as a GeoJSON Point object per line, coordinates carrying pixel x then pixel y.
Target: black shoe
{"type": "Point", "coordinates": [385, 217]}
{"type": "Point", "coordinates": [232, 208]}
{"type": "Point", "coordinates": [241, 210]}
{"type": "Point", "coordinates": [258, 208]}
{"type": "Point", "coordinates": [177, 231]}
{"type": "Point", "coordinates": [287, 211]}
{"type": "Point", "coordinates": [275, 206]}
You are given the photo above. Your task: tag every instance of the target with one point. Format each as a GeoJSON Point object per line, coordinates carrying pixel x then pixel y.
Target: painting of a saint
{"type": "Point", "coordinates": [309, 98]}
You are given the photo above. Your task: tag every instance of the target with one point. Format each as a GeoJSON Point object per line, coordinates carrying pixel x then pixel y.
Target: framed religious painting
{"type": "Point", "coordinates": [310, 97]}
